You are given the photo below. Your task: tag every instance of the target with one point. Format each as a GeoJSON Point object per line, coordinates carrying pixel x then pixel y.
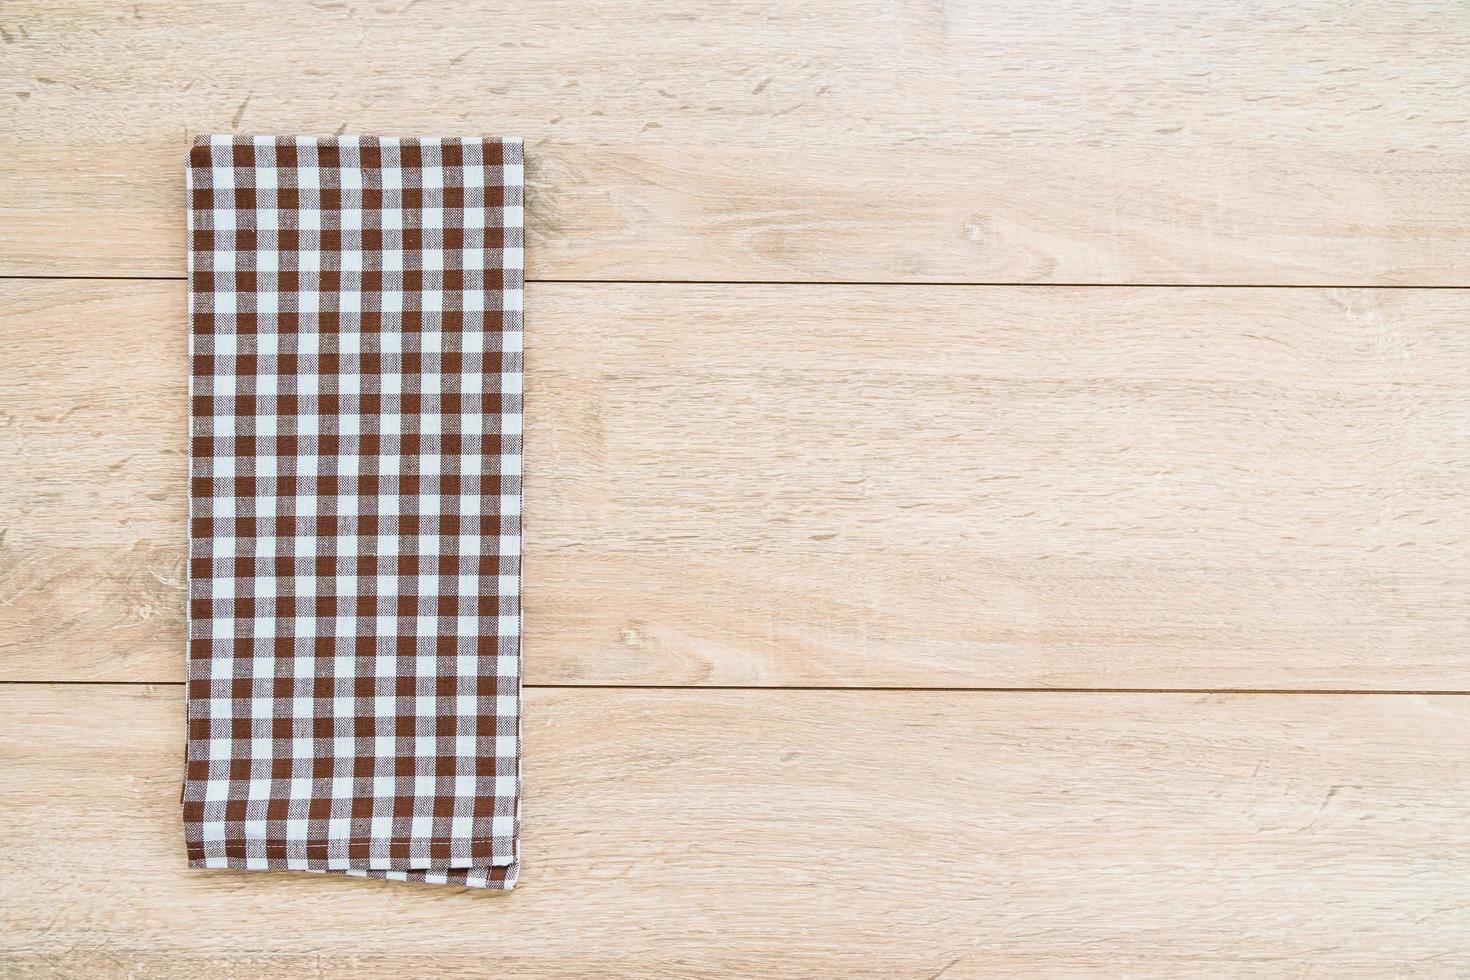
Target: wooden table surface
{"type": "Point", "coordinates": [996, 484]}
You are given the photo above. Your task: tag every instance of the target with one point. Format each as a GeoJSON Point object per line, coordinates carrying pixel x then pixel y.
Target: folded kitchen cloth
{"type": "Point", "coordinates": [354, 509]}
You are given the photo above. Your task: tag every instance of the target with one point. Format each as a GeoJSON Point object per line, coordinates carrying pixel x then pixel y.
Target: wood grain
{"type": "Point", "coordinates": [852, 486]}
{"type": "Point", "coordinates": [878, 140]}
{"type": "Point", "coordinates": [881, 833]}
{"type": "Point", "coordinates": [816, 486]}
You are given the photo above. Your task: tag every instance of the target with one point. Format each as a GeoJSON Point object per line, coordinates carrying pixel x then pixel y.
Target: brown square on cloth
{"type": "Point", "coordinates": [354, 614]}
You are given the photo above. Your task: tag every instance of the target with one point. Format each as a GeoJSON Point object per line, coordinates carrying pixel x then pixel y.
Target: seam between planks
{"type": "Point", "coordinates": [850, 282]}
{"type": "Point", "coordinates": [1223, 691]}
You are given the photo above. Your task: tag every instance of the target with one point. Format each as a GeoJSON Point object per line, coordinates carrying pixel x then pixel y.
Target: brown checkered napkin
{"type": "Point", "coordinates": [354, 510]}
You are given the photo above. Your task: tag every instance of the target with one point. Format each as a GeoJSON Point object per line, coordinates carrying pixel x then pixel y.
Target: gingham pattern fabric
{"type": "Point", "coordinates": [354, 511]}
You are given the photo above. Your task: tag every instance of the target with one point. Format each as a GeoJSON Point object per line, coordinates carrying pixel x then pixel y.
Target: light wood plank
{"type": "Point", "coordinates": [687, 833]}
{"type": "Point", "coordinates": [917, 486]}
{"type": "Point", "coordinates": [877, 140]}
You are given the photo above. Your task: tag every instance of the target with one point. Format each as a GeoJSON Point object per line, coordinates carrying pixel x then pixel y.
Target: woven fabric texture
{"type": "Point", "coordinates": [354, 511]}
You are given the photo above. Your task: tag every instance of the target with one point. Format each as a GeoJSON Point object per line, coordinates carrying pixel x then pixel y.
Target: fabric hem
{"type": "Point", "coordinates": [493, 877]}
